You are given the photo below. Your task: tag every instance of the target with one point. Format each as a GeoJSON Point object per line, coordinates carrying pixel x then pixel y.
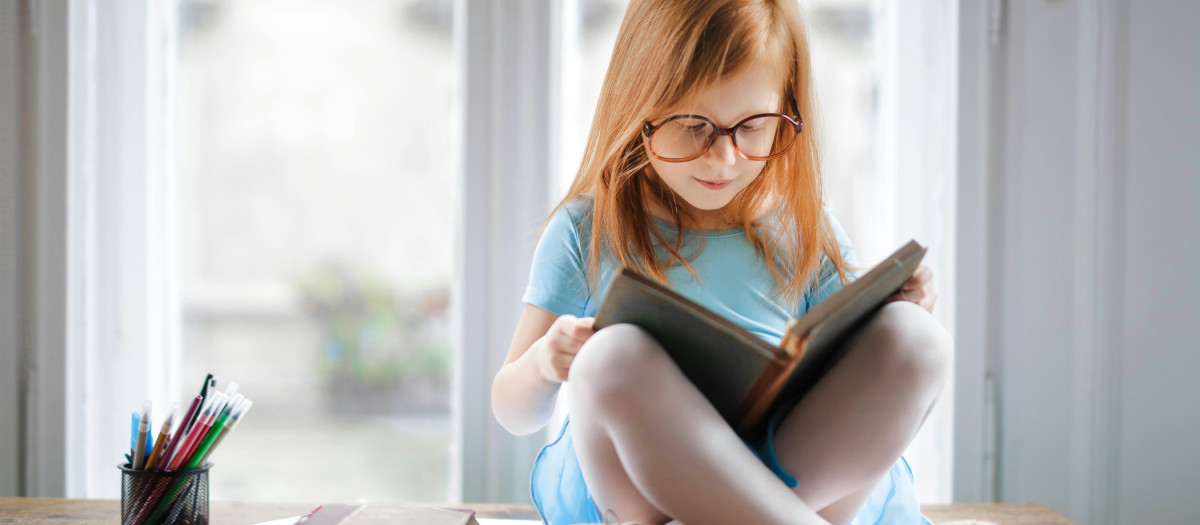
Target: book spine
{"type": "Point", "coordinates": [765, 390]}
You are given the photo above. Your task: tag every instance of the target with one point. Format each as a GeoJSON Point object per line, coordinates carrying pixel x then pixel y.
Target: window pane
{"type": "Point", "coordinates": [842, 40]}
{"type": "Point", "coordinates": [316, 142]}
{"type": "Point", "coordinates": [588, 35]}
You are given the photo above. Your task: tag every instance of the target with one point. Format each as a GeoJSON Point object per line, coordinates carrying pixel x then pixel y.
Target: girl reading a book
{"type": "Point", "coordinates": [701, 171]}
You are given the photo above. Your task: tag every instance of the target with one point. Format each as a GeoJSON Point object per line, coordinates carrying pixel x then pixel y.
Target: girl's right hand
{"type": "Point", "coordinates": [556, 350]}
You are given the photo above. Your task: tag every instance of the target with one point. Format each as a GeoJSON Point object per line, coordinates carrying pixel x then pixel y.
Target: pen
{"type": "Point", "coordinates": [199, 429]}
{"type": "Point", "coordinates": [211, 436]}
{"type": "Point", "coordinates": [139, 450]}
{"type": "Point", "coordinates": [180, 443]}
{"type": "Point", "coordinates": [135, 419]}
{"type": "Point", "coordinates": [208, 391]}
{"type": "Point", "coordinates": [208, 381]}
{"type": "Point", "coordinates": [180, 432]}
{"type": "Point", "coordinates": [205, 429]}
{"type": "Point", "coordinates": [234, 417]}
{"type": "Point", "coordinates": [163, 435]}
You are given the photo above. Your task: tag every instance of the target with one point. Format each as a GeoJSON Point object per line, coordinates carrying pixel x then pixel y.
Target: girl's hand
{"type": "Point", "coordinates": [556, 350]}
{"type": "Point", "coordinates": [918, 289]}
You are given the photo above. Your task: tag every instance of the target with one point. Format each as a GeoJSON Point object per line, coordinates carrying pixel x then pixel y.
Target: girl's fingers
{"type": "Point", "coordinates": [922, 276]}
{"type": "Point", "coordinates": [567, 348]}
{"type": "Point", "coordinates": [581, 332]}
{"type": "Point", "coordinates": [564, 367]}
{"type": "Point", "coordinates": [581, 329]}
{"type": "Point", "coordinates": [923, 297]}
{"type": "Point", "coordinates": [563, 361]}
{"type": "Point", "coordinates": [552, 370]}
{"type": "Point", "coordinates": [577, 328]}
{"type": "Point", "coordinates": [912, 296]}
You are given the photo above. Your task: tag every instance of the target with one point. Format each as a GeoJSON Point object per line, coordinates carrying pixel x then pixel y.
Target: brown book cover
{"type": "Point", "coordinates": [372, 514]}
{"type": "Point", "coordinates": [742, 375]}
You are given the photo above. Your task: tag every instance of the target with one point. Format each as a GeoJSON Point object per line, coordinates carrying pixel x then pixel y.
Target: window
{"type": "Point", "coordinates": [314, 156]}
{"type": "Point", "coordinates": [306, 136]}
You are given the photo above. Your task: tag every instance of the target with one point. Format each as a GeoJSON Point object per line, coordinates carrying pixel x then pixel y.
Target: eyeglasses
{"type": "Point", "coordinates": [758, 137]}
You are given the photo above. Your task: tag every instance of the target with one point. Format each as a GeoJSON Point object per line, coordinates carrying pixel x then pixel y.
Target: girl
{"type": "Point", "coordinates": [701, 172]}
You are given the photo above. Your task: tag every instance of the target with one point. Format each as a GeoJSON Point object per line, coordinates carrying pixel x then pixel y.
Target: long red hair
{"type": "Point", "coordinates": [666, 52]}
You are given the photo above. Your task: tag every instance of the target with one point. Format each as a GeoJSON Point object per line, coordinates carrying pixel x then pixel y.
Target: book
{"type": "Point", "coordinates": [743, 376]}
{"type": "Point", "coordinates": [343, 514]}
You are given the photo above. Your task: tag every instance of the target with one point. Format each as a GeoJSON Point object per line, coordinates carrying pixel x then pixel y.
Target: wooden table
{"type": "Point", "coordinates": [44, 511]}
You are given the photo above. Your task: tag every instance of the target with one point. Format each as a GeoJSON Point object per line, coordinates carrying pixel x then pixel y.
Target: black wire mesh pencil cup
{"type": "Point", "coordinates": [154, 497]}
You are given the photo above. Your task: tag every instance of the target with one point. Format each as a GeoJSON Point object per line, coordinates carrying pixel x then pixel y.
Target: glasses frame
{"type": "Point", "coordinates": [649, 129]}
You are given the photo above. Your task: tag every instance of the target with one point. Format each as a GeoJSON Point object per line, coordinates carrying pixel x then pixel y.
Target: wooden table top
{"type": "Point", "coordinates": [45, 511]}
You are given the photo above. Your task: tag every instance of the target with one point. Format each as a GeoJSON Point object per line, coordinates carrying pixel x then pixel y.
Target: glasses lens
{"type": "Point", "coordinates": [681, 137]}
{"type": "Point", "coordinates": [765, 136]}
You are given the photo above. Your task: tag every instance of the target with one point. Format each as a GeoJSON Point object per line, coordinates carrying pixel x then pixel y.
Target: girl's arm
{"type": "Point", "coordinates": [539, 358]}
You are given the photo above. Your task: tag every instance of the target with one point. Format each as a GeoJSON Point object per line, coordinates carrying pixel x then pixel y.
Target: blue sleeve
{"type": "Point", "coordinates": [828, 280]}
{"type": "Point", "coordinates": [557, 278]}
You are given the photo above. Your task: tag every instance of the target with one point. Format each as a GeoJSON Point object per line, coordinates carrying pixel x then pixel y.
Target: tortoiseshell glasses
{"type": "Point", "coordinates": [758, 137]}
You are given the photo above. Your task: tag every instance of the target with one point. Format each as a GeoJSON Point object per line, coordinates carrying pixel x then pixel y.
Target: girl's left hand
{"type": "Point", "coordinates": [918, 289]}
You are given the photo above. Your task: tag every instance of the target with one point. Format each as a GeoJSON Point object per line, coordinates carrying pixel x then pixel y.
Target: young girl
{"type": "Point", "coordinates": [701, 172]}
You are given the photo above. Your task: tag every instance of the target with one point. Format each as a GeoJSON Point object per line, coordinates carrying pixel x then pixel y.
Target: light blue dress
{"type": "Point", "coordinates": [557, 284]}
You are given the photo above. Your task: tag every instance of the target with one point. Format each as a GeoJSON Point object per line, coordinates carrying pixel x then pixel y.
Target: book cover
{"type": "Point", "coordinates": [343, 514]}
{"type": "Point", "coordinates": [743, 376]}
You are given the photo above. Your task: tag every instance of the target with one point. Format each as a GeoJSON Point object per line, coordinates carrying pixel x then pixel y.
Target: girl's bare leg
{"type": "Point", "coordinates": [843, 436]}
{"type": "Point", "coordinates": [652, 447]}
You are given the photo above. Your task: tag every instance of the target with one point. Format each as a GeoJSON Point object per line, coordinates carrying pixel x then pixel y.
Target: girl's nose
{"type": "Point", "coordinates": [721, 153]}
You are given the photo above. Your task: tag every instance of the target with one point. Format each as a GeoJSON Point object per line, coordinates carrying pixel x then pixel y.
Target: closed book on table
{"type": "Point", "coordinates": [743, 376]}
{"type": "Point", "coordinates": [379, 514]}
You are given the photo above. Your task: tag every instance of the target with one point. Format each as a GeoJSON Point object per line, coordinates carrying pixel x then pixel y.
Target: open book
{"type": "Point", "coordinates": [743, 376]}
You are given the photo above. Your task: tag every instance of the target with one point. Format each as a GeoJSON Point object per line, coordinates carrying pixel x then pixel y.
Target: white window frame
{"type": "Point", "coordinates": [917, 134]}
{"type": "Point", "coordinates": [506, 61]}
{"type": "Point", "coordinates": [979, 27]}
{"type": "Point", "coordinates": [88, 265]}
{"type": "Point", "coordinates": [130, 321]}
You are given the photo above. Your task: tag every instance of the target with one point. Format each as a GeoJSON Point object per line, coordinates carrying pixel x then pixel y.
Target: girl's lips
{"type": "Point", "coordinates": [714, 186]}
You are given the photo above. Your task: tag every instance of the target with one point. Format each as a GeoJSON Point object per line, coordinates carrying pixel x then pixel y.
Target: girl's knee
{"type": "Point", "coordinates": [614, 360]}
{"type": "Point", "coordinates": [910, 343]}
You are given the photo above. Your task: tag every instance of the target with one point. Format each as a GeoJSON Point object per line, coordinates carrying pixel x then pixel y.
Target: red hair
{"type": "Point", "coordinates": [666, 52]}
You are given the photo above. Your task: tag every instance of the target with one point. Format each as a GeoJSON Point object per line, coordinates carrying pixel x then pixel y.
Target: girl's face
{"type": "Point", "coordinates": [709, 182]}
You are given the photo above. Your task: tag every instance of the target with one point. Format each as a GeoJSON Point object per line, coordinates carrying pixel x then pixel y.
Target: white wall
{"type": "Point", "coordinates": [1086, 116]}
{"type": "Point", "coordinates": [1160, 240]}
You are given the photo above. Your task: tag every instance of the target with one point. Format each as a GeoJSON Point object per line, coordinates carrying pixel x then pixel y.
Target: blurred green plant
{"type": "Point", "coordinates": [373, 336]}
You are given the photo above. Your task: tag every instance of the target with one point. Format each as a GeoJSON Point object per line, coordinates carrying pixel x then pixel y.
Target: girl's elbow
{"type": "Point", "coordinates": [508, 415]}
{"type": "Point", "coordinates": [513, 423]}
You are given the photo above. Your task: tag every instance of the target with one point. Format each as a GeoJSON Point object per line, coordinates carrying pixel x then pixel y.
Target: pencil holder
{"type": "Point", "coordinates": [153, 497]}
